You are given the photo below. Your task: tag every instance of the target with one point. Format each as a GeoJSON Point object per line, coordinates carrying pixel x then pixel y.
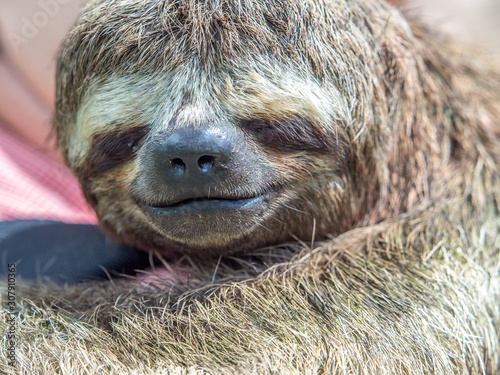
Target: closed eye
{"type": "Point", "coordinates": [113, 148]}
{"type": "Point", "coordinates": [291, 135]}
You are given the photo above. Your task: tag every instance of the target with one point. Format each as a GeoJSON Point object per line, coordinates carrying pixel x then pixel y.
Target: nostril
{"type": "Point", "coordinates": [206, 162]}
{"type": "Point", "coordinates": [178, 165]}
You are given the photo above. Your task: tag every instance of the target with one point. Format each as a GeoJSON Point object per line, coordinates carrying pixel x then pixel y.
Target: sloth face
{"type": "Point", "coordinates": [214, 127]}
{"type": "Point", "coordinates": [211, 164]}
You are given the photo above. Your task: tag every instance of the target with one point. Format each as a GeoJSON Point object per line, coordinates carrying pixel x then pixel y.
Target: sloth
{"type": "Point", "coordinates": [324, 174]}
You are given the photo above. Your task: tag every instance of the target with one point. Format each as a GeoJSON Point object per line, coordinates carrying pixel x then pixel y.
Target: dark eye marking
{"type": "Point", "coordinates": [111, 149]}
{"type": "Point", "coordinates": [292, 135]}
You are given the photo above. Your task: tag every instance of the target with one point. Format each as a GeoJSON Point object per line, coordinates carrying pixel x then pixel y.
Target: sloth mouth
{"type": "Point", "coordinates": [207, 205]}
{"type": "Point", "coordinates": [199, 204]}
{"type": "Point", "coordinates": [202, 221]}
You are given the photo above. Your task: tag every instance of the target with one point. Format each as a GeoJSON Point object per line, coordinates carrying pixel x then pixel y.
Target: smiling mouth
{"type": "Point", "coordinates": [203, 222]}
{"type": "Point", "coordinates": [198, 204]}
{"type": "Point", "coordinates": [206, 205]}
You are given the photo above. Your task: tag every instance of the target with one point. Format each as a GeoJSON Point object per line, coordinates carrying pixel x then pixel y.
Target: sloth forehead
{"type": "Point", "coordinates": [197, 97]}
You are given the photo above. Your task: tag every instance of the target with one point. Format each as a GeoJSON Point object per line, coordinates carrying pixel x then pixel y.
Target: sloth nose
{"type": "Point", "coordinates": [203, 163]}
{"type": "Point", "coordinates": [190, 157]}
{"type": "Point", "coordinates": [195, 162]}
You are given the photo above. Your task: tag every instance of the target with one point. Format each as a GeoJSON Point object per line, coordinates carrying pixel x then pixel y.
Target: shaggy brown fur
{"type": "Point", "coordinates": [409, 280]}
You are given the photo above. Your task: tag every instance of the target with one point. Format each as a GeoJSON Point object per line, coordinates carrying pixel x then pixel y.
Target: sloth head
{"type": "Point", "coordinates": [219, 126]}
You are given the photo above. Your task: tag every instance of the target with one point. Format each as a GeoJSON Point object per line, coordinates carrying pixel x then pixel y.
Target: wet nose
{"type": "Point", "coordinates": [188, 158]}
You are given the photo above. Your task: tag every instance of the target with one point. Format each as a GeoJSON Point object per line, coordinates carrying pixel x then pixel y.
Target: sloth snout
{"type": "Point", "coordinates": [188, 157]}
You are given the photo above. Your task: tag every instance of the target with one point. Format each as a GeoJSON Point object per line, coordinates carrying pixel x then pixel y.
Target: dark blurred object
{"type": "Point", "coordinates": [64, 252]}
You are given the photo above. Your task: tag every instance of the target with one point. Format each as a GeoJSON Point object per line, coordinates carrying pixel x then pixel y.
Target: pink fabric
{"type": "Point", "coordinates": [34, 186]}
